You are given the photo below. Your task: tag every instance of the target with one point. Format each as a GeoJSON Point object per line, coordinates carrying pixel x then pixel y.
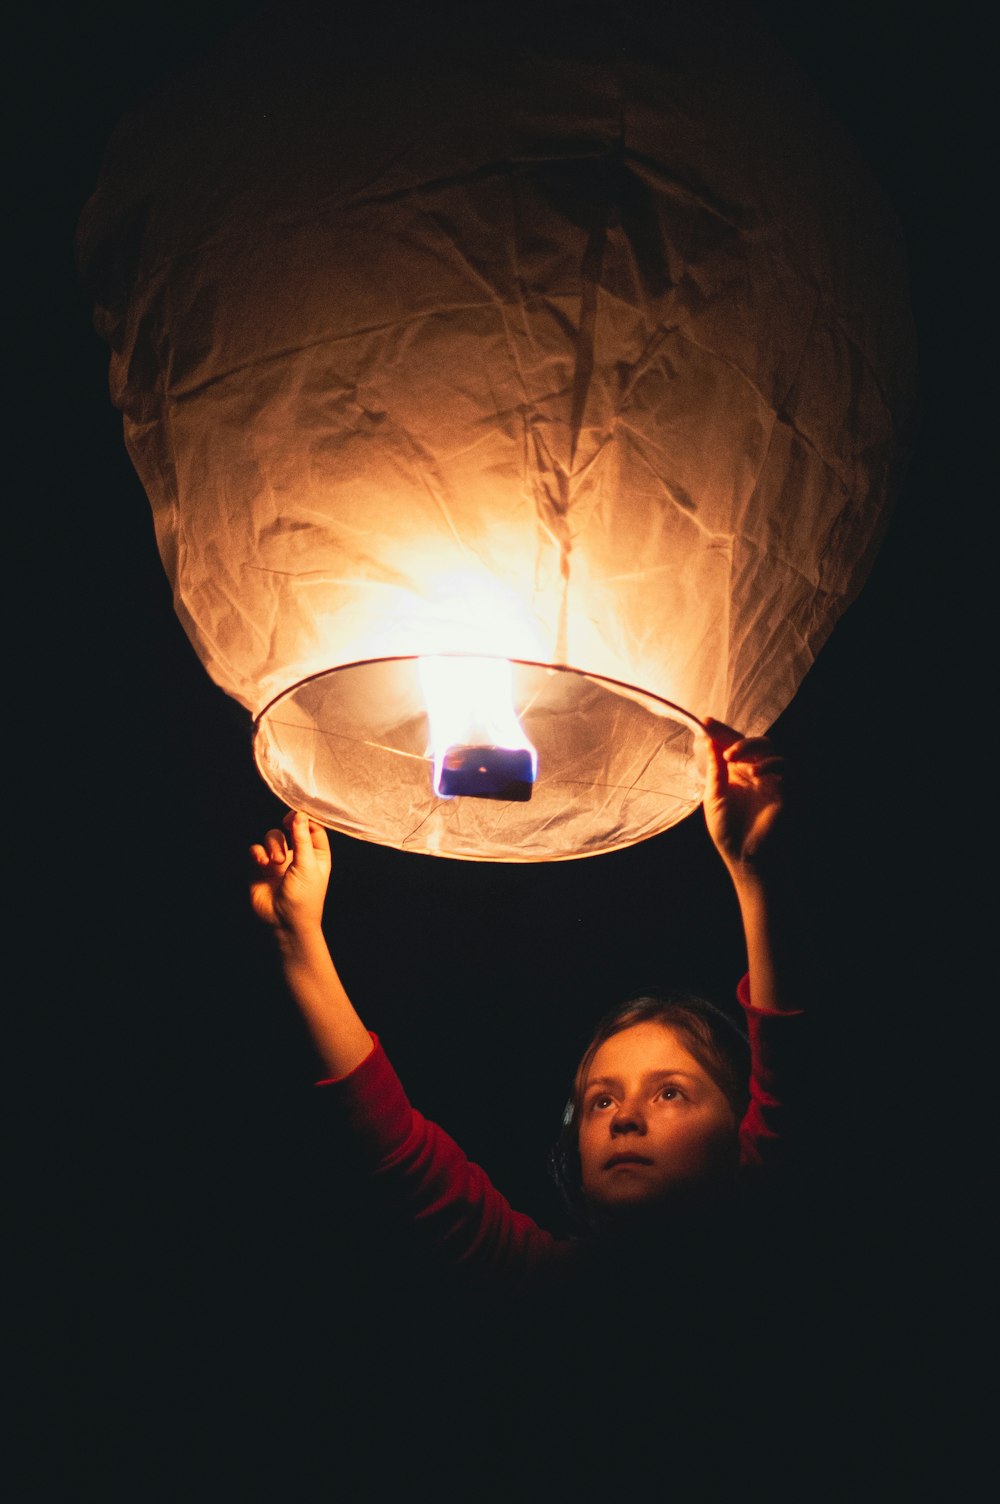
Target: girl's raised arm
{"type": "Point", "coordinates": [746, 814]}
{"type": "Point", "coordinates": [287, 891]}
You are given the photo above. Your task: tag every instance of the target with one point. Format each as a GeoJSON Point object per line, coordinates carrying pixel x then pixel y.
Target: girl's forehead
{"type": "Point", "coordinates": [642, 1047]}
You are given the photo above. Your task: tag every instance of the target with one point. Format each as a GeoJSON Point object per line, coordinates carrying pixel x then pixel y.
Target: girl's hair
{"type": "Point", "coordinates": [716, 1041]}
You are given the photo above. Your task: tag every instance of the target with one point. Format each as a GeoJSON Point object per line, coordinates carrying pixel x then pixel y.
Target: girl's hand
{"type": "Point", "coordinates": [744, 796]}
{"type": "Point", "coordinates": [288, 884]}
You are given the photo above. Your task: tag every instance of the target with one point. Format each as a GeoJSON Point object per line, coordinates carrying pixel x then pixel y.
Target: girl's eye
{"type": "Point", "coordinates": [668, 1093]}
{"type": "Point", "coordinates": [599, 1103]}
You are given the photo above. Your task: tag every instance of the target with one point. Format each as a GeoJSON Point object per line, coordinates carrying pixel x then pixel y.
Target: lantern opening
{"type": "Point", "coordinates": [614, 764]}
{"type": "Point", "coordinates": [477, 744]}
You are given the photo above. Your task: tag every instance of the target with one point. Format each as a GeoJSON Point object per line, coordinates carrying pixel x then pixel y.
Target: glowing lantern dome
{"type": "Point", "coordinates": [573, 339]}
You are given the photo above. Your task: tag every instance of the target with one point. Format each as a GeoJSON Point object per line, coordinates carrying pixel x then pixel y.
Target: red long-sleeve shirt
{"type": "Point", "coordinates": [454, 1206]}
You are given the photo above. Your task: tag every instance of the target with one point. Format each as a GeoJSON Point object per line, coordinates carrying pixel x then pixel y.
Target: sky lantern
{"type": "Point", "coordinates": [511, 386]}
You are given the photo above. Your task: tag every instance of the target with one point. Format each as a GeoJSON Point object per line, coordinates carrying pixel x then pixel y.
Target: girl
{"type": "Point", "coordinates": [660, 1132]}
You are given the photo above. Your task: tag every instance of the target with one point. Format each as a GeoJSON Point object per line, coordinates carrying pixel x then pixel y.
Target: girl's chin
{"type": "Point", "coordinates": [636, 1201]}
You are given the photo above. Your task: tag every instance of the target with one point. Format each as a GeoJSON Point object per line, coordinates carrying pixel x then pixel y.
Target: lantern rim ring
{"type": "Point", "coordinates": [334, 808]}
{"type": "Point", "coordinates": [685, 717]}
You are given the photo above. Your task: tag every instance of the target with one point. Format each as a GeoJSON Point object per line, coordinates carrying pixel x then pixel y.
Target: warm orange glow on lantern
{"type": "Point", "coordinates": [578, 344]}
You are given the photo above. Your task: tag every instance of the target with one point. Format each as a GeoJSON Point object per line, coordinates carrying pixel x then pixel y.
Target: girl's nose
{"type": "Point", "coordinates": [628, 1119]}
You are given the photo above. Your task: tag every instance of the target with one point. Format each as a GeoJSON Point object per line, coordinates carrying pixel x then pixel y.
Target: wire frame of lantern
{"type": "Point", "coordinates": [580, 346]}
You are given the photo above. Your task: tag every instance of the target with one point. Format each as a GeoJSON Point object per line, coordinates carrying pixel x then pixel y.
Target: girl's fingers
{"type": "Point", "coordinates": [768, 766]}
{"type": "Point", "coordinates": [318, 836]}
{"type": "Point", "coordinates": [307, 834]}
{"type": "Point", "coordinates": [276, 846]}
{"type": "Point", "coordinates": [719, 733]}
{"type": "Point", "coordinates": [714, 770]}
{"type": "Point", "coordinates": [733, 745]}
{"type": "Point", "coordinates": [299, 826]}
{"type": "Point", "coordinates": [750, 749]}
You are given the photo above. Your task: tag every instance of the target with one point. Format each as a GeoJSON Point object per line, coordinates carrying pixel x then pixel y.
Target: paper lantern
{"type": "Point", "coordinates": [572, 341]}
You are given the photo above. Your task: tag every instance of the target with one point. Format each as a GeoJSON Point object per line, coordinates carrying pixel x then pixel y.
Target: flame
{"type": "Point", "coordinates": [470, 708]}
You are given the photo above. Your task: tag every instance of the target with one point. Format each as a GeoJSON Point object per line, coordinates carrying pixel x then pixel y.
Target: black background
{"type": "Point", "coordinates": [188, 1252]}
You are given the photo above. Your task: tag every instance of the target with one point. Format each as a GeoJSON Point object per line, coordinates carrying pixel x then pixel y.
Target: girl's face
{"type": "Point", "coordinates": [652, 1120]}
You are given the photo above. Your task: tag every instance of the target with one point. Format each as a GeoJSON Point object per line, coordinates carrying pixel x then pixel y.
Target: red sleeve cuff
{"type": "Point", "coordinates": [743, 996]}
{"type": "Point", "coordinates": [371, 1103]}
{"type": "Point", "coordinates": [335, 1080]}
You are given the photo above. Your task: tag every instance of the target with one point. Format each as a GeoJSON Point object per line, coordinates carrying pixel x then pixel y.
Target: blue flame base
{"type": "Point", "coordinates": [486, 773]}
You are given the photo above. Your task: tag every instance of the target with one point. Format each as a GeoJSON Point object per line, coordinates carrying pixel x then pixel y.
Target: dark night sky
{"type": "Point", "coordinates": [174, 1165]}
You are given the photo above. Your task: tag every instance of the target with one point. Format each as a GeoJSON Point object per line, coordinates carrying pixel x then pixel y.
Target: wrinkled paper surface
{"type": "Point", "coordinates": [578, 342]}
